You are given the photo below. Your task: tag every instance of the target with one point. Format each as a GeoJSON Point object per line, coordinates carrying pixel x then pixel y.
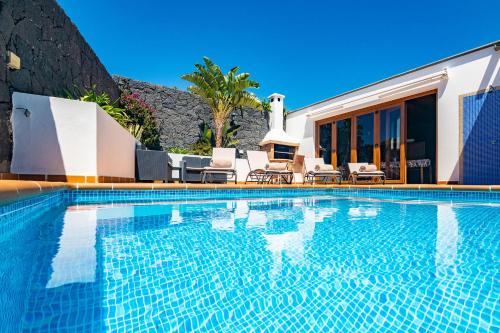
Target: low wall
{"type": "Point", "coordinates": [115, 148]}
{"type": "Point", "coordinates": [61, 137]}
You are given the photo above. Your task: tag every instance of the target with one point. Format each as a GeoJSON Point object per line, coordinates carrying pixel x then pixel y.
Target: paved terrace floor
{"type": "Point", "coordinates": [12, 190]}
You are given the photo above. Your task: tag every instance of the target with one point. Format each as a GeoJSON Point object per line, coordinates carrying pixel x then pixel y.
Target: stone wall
{"type": "Point", "coordinates": [180, 115]}
{"type": "Point", "coordinates": [54, 57]}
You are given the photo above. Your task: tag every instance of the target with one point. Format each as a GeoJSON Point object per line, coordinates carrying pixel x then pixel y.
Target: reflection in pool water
{"type": "Point", "coordinates": [291, 264]}
{"type": "Point", "coordinates": [76, 258]}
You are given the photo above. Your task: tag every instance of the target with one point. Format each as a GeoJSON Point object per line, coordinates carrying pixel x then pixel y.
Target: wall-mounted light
{"type": "Point", "coordinates": [27, 112]}
{"type": "Point", "coordinates": [13, 61]}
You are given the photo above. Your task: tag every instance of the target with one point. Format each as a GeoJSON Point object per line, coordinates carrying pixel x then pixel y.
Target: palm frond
{"type": "Point", "coordinates": [222, 92]}
{"type": "Point", "coordinates": [248, 100]}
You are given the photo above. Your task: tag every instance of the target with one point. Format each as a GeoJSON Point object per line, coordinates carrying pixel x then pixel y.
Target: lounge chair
{"type": "Point", "coordinates": [356, 171]}
{"type": "Point", "coordinates": [223, 163]}
{"type": "Point", "coordinates": [314, 169]}
{"type": "Point", "coordinates": [261, 170]}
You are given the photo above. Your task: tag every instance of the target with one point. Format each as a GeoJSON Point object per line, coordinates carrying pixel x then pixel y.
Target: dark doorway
{"type": "Point", "coordinates": [421, 140]}
{"type": "Point", "coordinates": [343, 146]}
{"type": "Point", "coordinates": [365, 129]}
{"type": "Point", "coordinates": [325, 142]}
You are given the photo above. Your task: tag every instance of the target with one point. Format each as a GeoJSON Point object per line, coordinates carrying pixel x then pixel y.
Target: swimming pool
{"type": "Point", "coordinates": [230, 261]}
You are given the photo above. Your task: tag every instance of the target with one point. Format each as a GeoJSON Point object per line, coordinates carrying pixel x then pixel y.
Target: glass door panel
{"type": "Point", "coordinates": [325, 143]}
{"type": "Point", "coordinates": [343, 145]}
{"type": "Point", "coordinates": [390, 141]}
{"type": "Point", "coordinates": [421, 140]}
{"type": "Point", "coordinates": [364, 138]}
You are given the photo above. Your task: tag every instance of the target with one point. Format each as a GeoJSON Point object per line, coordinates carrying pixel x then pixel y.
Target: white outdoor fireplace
{"type": "Point", "coordinates": [279, 145]}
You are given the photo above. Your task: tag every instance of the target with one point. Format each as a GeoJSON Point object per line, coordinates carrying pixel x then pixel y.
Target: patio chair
{"type": "Point", "coordinates": [153, 165]}
{"type": "Point", "coordinates": [223, 163]}
{"type": "Point", "coordinates": [262, 171]}
{"type": "Point", "coordinates": [357, 171]}
{"type": "Point", "coordinates": [192, 167]}
{"type": "Point", "coordinates": [314, 168]}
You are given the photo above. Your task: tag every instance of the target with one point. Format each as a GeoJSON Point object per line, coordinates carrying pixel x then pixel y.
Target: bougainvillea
{"type": "Point", "coordinates": [141, 120]}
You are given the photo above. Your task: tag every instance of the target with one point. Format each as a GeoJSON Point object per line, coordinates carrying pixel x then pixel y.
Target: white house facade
{"type": "Point", "coordinates": [439, 123]}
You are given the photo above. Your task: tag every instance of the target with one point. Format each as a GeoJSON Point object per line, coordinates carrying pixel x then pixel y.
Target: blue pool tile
{"type": "Point", "coordinates": [361, 260]}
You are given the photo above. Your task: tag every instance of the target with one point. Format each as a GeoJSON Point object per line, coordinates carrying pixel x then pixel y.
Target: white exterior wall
{"type": "Point", "coordinates": [66, 137]}
{"type": "Point", "coordinates": [115, 148]}
{"type": "Point", "coordinates": [466, 74]}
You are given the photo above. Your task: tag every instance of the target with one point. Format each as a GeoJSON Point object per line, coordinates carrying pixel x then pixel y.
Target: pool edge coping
{"type": "Point", "coordinates": [15, 190]}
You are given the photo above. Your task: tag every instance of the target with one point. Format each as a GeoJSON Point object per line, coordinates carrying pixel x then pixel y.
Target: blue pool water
{"type": "Point", "coordinates": [328, 262]}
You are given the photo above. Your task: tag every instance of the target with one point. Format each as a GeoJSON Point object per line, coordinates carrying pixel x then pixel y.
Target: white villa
{"type": "Point", "coordinates": [439, 123]}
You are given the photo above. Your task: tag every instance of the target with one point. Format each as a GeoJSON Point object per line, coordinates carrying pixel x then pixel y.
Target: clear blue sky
{"type": "Point", "coordinates": [307, 50]}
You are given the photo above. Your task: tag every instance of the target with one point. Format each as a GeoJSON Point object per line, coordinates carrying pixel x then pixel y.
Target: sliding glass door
{"type": "Point", "coordinates": [399, 138]}
{"type": "Point", "coordinates": [343, 143]}
{"type": "Point", "coordinates": [390, 142]}
{"type": "Point", "coordinates": [325, 142]}
{"type": "Point", "coordinates": [372, 137]}
{"type": "Point", "coordinates": [365, 137]}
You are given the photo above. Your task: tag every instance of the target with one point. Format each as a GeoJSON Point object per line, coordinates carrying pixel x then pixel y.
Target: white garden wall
{"type": "Point", "coordinates": [56, 136]}
{"type": "Point", "coordinates": [115, 148]}
{"type": "Point", "coordinates": [468, 73]}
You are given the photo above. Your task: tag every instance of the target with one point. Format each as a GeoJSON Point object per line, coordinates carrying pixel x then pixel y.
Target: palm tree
{"type": "Point", "coordinates": [222, 92]}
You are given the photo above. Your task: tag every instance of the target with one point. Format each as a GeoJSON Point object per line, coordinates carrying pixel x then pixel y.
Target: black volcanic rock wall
{"type": "Point", "coordinates": [54, 57]}
{"type": "Point", "coordinates": [180, 115]}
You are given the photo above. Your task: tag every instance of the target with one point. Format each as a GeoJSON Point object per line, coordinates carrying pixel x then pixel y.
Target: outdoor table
{"type": "Point", "coordinates": [411, 164]}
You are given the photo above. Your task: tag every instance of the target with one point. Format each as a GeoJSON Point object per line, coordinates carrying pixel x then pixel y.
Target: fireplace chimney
{"type": "Point", "coordinates": [276, 118]}
{"type": "Point", "coordinates": [277, 142]}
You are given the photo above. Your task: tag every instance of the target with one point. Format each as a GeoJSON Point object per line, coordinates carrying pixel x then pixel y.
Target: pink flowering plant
{"type": "Point", "coordinates": [141, 122]}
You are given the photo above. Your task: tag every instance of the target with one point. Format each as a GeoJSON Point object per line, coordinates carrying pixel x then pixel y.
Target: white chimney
{"type": "Point", "coordinates": [276, 134]}
{"type": "Point", "coordinates": [276, 117]}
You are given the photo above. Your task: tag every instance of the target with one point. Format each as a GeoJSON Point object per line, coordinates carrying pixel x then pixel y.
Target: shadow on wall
{"type": "Point", "coordinates": [308, 139]}
{"type": "Point", "coordinates": [31, 120]}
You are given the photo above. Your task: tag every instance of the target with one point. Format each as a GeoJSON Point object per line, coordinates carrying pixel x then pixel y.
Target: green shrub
{"type": "Point", "coordinates": [179, 150]}
{"type": "Point", "coordinates": [201, 148]}
{"type": "Point", "coordinates": [103, 100]}
{"type": "Point", "coordinates": [130, 111]}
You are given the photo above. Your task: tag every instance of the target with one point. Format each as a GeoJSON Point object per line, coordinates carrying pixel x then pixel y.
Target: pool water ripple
{"type": "Point", "coordinates": [294, 264]}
